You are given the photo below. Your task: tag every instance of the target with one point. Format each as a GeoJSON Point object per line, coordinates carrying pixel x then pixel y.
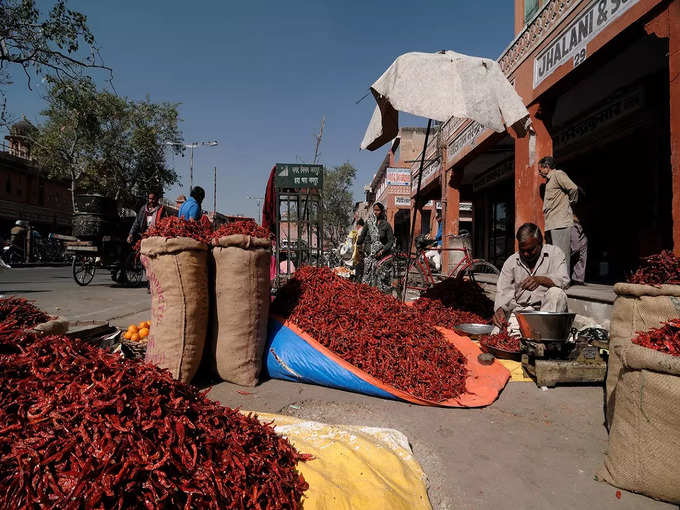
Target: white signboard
{"type": "Point", "coordinates": [402, 201]}
{"type": "Point", "coordinates": [398, 177]}
{"type": "Point", "coordinates": [571, 44]}
{"type": "Point", "coordinates": [467, 137]}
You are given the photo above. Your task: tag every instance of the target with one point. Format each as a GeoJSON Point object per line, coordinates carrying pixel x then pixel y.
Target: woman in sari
{"type": "Point", "coordinates": [377, 240]}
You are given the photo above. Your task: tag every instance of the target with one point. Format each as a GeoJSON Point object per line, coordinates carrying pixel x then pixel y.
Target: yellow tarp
{"type": "Point", "coordinates": [355, 467]}
{"type": "Point", "coordinates": [515, 369]}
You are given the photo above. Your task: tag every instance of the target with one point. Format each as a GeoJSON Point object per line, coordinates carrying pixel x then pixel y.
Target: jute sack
{"type": "Point", "coordinates": [241, 307]}
{"type": "Point", "coordinates": [636, 308]}
{"type": "Point", "coordinates": [644, 441]}
{"type": "Point", "coordinates": [177, 269]}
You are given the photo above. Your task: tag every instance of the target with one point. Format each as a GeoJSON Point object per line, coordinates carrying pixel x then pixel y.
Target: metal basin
{"type": "Point", "coordinates": [545, 326]}
{"type": "Point", "coordinates": [474, 330]}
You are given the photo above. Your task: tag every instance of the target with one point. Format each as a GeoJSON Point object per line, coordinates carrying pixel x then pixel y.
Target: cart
{"type": "Point", "coordinates": [111, 254]}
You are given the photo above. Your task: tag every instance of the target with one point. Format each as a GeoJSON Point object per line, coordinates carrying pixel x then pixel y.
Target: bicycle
{"type": "Point", "coordinates": [420, 270]}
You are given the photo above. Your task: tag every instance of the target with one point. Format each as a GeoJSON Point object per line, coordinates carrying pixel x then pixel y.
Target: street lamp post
{"type": "Point", "coordinates": [192, 146]}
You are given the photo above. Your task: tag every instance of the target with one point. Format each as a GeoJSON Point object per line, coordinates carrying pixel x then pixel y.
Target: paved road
{"type": "Point", "coordinates": [54, 290]}
{"type": "Point", "coordinates": [531, 449]}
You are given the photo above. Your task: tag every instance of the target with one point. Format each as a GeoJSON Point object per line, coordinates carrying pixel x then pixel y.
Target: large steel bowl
{"type": "Point", "coordinates": [474, 330]}
{"type": "Point", "coordinates": [545, 326]}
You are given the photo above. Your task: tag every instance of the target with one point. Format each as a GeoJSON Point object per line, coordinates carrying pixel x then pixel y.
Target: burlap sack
{"type": "Point", "coordinates": [177, 270]}
{"type": "Point", "coordinates": [241, 307]}
{"type": "Point", "coordinates": [636, 308]}
{"type": "Point", "coordinates": [644, 442]}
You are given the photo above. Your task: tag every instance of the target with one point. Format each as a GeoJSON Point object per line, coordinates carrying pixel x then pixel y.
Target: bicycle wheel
{"type": "Point", "coordinates": [478, 267]}
{"type": "Point", "coordinates": [83, 268]}
{"type": "Point", "coordinates": [133, 270]}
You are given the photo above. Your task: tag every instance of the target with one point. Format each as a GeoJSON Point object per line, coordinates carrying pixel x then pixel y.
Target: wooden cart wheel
{"type": "Point", "coordinates": [133, 270]}
{"type": "Point", "coordinates": [84, 267]}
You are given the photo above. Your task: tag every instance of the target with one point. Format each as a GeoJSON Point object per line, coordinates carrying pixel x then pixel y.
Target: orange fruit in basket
{"type": "Point", "coordinates": [147, 324]}
{"type": "Point", "coordinates": [135, 337]}
{"type": "Point", "coordinates": [127, 335]}
{"type": "Point", "coordinates": [143, 333]}
{"type": "Point", "coordinates": [133, 329]}
{"type": "Point", "coordinates": [142, 325]}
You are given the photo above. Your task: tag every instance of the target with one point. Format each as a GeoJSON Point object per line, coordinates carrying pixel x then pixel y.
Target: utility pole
{"type": "Point", "coordinates": [192, 146]}
{"type": "Point", "coordinates": [259, 207]}
{"type": "Point", "coordinates": [318, 140]}
{"type": "Point", "coordinates": [214, 193]}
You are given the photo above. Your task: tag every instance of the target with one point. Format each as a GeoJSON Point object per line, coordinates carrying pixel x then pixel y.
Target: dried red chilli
{"type": "Point", "coordinates": [172, 226]}
{"type": "Point", "coordinates": [374, 332]}
{"type": "Point", "coordinates": [502, 340]}
{"type": "Point", "coordinates": [461, 295]}
{"type": "Point", "coordinates": [245, 227]}
{"type": "Point", "coordinates": [83, 428]}
{"type": "Point", "coordinates": [665, 339]}
{"type": "Point", "coordinates": [659, 269]}
{"type": "Point", "coordinates": [22, 312]}
{"type": "Point", "coordinates": [439, 315]}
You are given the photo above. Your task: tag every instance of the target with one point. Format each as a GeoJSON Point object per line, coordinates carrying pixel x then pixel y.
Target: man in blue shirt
{"type": "Point", "coordinates": [191, 209]}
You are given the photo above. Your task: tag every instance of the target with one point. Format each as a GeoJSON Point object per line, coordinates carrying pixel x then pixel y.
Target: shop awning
{"type": "Point", "coordinates": [439, 86]}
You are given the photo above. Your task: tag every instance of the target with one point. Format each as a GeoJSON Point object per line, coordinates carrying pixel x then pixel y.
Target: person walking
{"type": "Point", "coordinates": [148, 215]}
{"type": "Point", "coordinates": [191, 209]}
{"type": "Point", "coordinates": [560, 194]}
{"type": "Point", "coordinates": [377, 240]}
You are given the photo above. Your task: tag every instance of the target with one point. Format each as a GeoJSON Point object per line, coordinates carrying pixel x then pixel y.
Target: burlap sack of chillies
{"type": "Point", "coordinates": [636, 308]}
{"type": "Point", "coordinates": [644, 440]}
{"type": "Point", "coordinates": [177, 269]}
{"type": "Point", "coordinates": [238, 329]}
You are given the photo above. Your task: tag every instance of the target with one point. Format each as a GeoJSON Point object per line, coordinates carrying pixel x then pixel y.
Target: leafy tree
{"type": "Point", "coordinates": [104, 143]}
{"type": "Point", "coordinates": [337, 201]}
{"type": "Point", "coordinates": [36, 42]}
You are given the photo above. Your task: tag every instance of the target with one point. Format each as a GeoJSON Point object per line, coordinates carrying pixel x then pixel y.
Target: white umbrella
{"type": "Point", "coordinates": [439, 86]}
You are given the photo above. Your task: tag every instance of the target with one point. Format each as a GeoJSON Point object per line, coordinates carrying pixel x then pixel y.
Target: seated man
{"type": "Point", "coordinates": [534, 278]}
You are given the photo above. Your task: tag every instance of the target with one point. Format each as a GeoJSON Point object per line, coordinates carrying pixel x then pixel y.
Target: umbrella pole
{"type": "Point", "coordinates": [415, 210]}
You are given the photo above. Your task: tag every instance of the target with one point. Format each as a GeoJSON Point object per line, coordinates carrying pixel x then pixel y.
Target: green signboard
{"type": "Point", "coordinates": [297, 175]}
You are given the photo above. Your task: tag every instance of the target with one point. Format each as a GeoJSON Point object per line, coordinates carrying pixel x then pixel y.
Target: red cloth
{"type": "Point", "coordinates": [269, 207]}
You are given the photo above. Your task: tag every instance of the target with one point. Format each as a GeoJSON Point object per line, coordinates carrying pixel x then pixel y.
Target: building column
{"type": "Point", "coordinates": [452, 216]}
{"type": "Point", "coordinates": [528, 202]}
{"type": "Point", "coordinates": [674, 107]}
{"type": "Point", "coordinates": [665, 25]}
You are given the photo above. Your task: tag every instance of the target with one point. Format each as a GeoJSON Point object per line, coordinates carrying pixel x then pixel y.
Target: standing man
{"type": "Point", "coordinates": [148, 215]}
{"type": "Point", "coordinates": [191, 209]}
{"type": "Point", "coordinates": [533, 278]}
{"type": "Point", "coordinates": [560, 194]}
{"type": "Point", "coordinates": [579, 253]}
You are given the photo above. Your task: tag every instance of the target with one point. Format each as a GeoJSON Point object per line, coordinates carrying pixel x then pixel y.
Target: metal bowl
{"type": "Point", "coordinates": [545, 326]}
{"type": "Point", "coordinates": [474, 330]}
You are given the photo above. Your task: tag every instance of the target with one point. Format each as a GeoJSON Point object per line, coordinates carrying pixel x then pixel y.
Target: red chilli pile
{"type": "Point", "coordinates": [374, 332]}
{"type": "Point", "coordinates": [83, 428]}
{"type": "Point", "coordinates": [665, 339]}
{"type": "Point", "coordinates": [502, 341]}
{"type": "Point", "coordinates": [21, 313]}
{"type": "Point", "coordinates": [172, 226]}
{"type": "Point", "coordinates": [462, 296]}
{"type": "Point", "coordinates": [439, 315]}
{"type": "Point", "coordinates": [245, 227]}
{"type": "Point", "coordinates": [659, 269]}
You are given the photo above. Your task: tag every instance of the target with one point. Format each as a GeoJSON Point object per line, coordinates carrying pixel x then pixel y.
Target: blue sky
{"type": "Point", "coordinates": [258, 76]}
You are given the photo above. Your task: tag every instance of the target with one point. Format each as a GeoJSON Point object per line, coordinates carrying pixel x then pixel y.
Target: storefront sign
{"type": "Point", "coordinates": [613, 110]}
{"type": "Point", "coordinates": [500, 172]}
{"type": "Point", "coordinates": [467, 137]}
{"type": "Point", "coordinates": [429, 171]}
{"type": "Point", "coordinates": [402, 201]}
{"type": "Point", "coordinates": [572, 42]}
{"type": "Point", "coordinates": [299, 176]}
{"type": "Point", "coordinates": [398, 177]}
{"type": "Point", "coordinates": [465, 206]}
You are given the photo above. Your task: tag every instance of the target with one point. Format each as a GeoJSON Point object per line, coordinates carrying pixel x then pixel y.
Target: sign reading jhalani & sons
{"type": "Point", "coordinates": [572, 42]}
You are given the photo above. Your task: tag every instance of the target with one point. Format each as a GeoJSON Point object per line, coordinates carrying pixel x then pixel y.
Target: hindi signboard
{"type": "Point", "coordinates": [297, 175]}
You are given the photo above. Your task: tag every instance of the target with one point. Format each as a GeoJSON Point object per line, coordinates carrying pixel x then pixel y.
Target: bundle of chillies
{"type": "Point", "coordinates": [659, 269]}
{"type": "Point", "coordinates": [172, 226]}
{"type": "Point", "coordinates": [22, 313]}
{"type": "Point", "coordinates": [439, 315]}
{"type": "Point", "coordinates": [665, 339]}
{"type": "Point", "coordinates": [83, 428]}
{"type": "Point", "coordinates": [374, 332]}
{"type": "Point", "coordinates": [245, 227]}
{"type": "Point", "coordinates": [501, 340]}
{"type": "Point", "coordinates": [461, 295]}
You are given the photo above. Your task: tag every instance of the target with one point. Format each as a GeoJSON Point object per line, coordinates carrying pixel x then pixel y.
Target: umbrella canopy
{"type": "Point", "coordinates": [439, 86]}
